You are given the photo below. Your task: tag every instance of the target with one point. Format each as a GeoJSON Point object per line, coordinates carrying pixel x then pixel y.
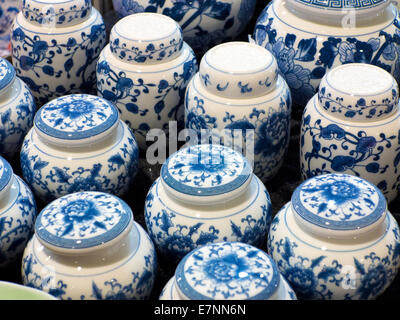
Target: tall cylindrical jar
{"type": "Point", "coordinates": [309, 38]}
{"type": "Point", "coordinates": [237, 94]}
{"type": "Point", "coordinates": [352, 126]}
{"type": "Point", "coordinates": [55, 47]}
{"type": "Point", "coordinates": [17, 109]}
{"type": "Point", "coordinates": [17, 215]}
{"type": "Point", "coordinates": [87, 246]}
{"type": "Point", "coordinates": [205, 194]}
{"type": "Point", "coordinates": [144, 71]}
{"type": "Point", "coordinates": [79, 143]}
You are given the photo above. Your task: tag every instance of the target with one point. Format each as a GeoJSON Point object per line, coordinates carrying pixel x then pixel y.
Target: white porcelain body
{"type": "Point", "coordinates": [177, 228]}
{"type": "Point", "coordinates": [58, 61]}
{"type": "Point", "coordinates": [125, 270]}
{"type": "Point", "coordinates": [53, 171]}
{"type": "Point", "coordinates": [204, 23]}
{"type": "Point", "coordinates": [305, 49]}
{"type": "Point", "coordinates": [147, 96]}
{"type": "Point", "coordinates": [267, 118]}
{"type": "Point", "coordinates": [17, 110]}
{"type": "Point", "coordinates": [368, 149]}
{"type": "Point", "coordinates": [321, 268]}
{"type": "Point", "coordinates": [17, 218]}
{"type": "Point", "coordinates": [170, 292]}
{"type": "Point", "coordinates": [8, 10]}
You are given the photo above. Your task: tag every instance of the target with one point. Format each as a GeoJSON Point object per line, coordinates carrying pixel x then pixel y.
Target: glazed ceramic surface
{"type": "Point", "coordinates": [8, 11]}
{"type": "Point", "coordinates": [56, 46]}
{"type": "Point", "coordinates": [336, 239]}
{"type": "Point", "coordinates": [238, 91]}
{"type": "Point", "coordinates": [204, 23]}
{"type": "Point", "coordinates": [17, 109]}
{"type": "Point", "coordinates": [78, 143]}
{"type": "Point", "coordinates": [87, 246]}
{"type": "Point", "coordinates": [205, 194]}
{"type": "Point", "coordinates": [227, 271]}
{"type": "Point", "coordinates": [352, 126]}
{"type": "Point", "coordinates": [13, 291]}
{"type": "Point", "coordinates": [144, 72]}
{"type": "Point", "coordinates": [310, 38]}
{"type": "Point", "coordinates": [17, 214]}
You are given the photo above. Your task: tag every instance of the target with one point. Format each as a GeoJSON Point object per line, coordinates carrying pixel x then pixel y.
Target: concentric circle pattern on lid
{"type": "Point", "coordinates": [77, 117]}
{"type": "Point", "coordinates": [206, 170]}
{"type": "Point", "coordinates": [56, 13]}
{"type": "Point", "coordinates": [7, 74]}
{"type": "Point", "coordinates": [339, 202]}
{"type": "Point", "coordinates": [6, 173]}
{"type": "Point", "coordinates": [82, 220]}
{"type": "Point", "coordinates": [227, 270]}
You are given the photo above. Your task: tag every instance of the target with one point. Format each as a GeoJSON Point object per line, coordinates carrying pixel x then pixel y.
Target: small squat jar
{"type": "Point", "coordinates": [144, 71]}
{"type": "Point", "coordinates": [227, 271]}
{"type": "Point", "coordinates": [205, 194]}
{"type": "Point", "coordinates": [17, 109]}
{"type": "Point", "coordinates": [55, 47]}
{"type": "Point", "coordinates": [79, 143]}
{"type": "Point", "coordinates": [87, 246]}
{"type": "Point", "coordinates": [17, 215]}
{"type": "Point", "coordinates": [352, 126]}
{"type": "Point", "coordinates": [336, 239]}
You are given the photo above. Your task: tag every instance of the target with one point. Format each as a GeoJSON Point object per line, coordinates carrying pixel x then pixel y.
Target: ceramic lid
{"type": "Point", "coordinates": [238, 70]}
{"type": "Point", "coordinates": [7, 75]}
{"type": "Point", "coordinates": [6, 173]}
{"type": "Point", "coordinates": [56, 13]}
{"type": "Point", "coordinates": [359, 92]}
{"type": "Point", "coordinates": [227, 270]}
{"type": "Point", "coordinates": [76, 120]}
{"type": "Point", "coordinates": [146, 38]}
{"type": "Point", "coordinates": [336, 9]}
{"type": "Point", "coordinates": [206, 174]}
{"type": "Point", "coordinates": [338, 205]}
{"type": "Point", "coordinates": [82, 221]}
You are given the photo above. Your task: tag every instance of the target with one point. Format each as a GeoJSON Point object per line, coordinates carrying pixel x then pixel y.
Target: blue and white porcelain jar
{"type": "Point", "coordinates": [308, 38]}
{"type": "Point", "coordinates": [55, 47]}
{"type": "Point", "coordinates": [204, 23]}
{"type": "Point", "coordinates": [227, 271]}
{"type": "Point", "coordinates": [205, 194]}
{"type": "Point", "coordinates": [8, 10]}
{"type": "Point", "coordinates": [87, 246]}
{"type": "Point", "coordinates": [17, 215]}
{"type": "Point", "coordinates": [352, 126]}
{"type": "Point", "coordinates": [238, 93]}
{"type": "Point", "coordinates": [145, 71]}
{"type": "Point", "coordinates": [336, 239]}
{"type": "Point", "coordinates": [79, 143]}
{"type": "Point", "coordinates": [17, 109]}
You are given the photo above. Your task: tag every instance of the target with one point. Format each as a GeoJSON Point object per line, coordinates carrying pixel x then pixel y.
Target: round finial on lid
{"type": "Point", "coordinates": [146, 38]}
{"type": "Point", "coordinates": [338, 205]}
{"type": "Point", "coordinates": [7, 75]}
{"type": "Point", "coordinates": [238, 70]}
{"type": "Point", "coordinates": [359, 92]}
{"type": "Point", "coordinates": [82, 221]}
{"type": "Point", "coordinates": [56, 13]}
{"type": "Point", "coordinates": [76, 120]}
{"type": "Point", "coordinates": [206, 173]}
{"type": "Point", "coordinates": [227, 270]}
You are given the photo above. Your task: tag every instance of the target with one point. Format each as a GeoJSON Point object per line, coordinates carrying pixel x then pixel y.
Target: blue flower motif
{"type": "Point", "coordinates": [18, 35]}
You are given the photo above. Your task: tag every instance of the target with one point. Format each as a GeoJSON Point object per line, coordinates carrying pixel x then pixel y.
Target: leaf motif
{"type": "Point", "coordinates": [316, 262]}
{"type": "Point", "coordinates": [327, 272]}
{"type": "Point", "coordinates": [236, 230]}
{"type": "Point", "coordinates": [322, 207]}
{"type": "Point", "coordinates": [359, 266]}
{"type": "Point", "coordinates": [96, 292]}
